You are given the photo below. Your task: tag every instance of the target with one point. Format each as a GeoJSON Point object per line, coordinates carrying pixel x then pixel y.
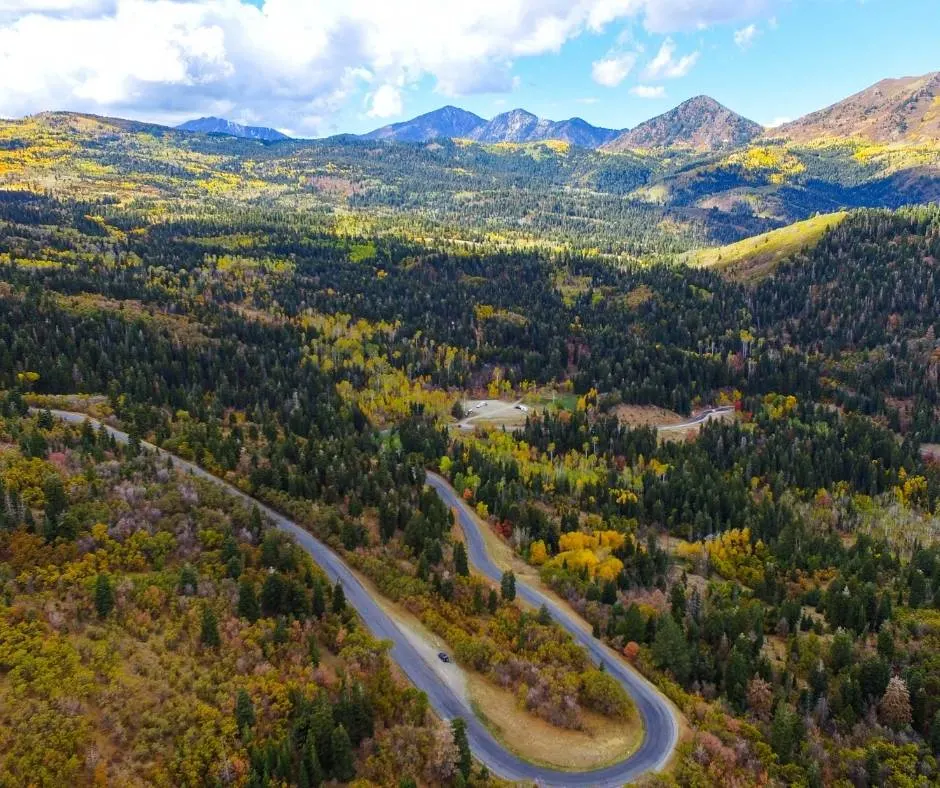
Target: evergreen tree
{"type": "Point", "coordinates": [634, 625]}
{"type": "Point", "coordinates": [244, 711]}
{"type": "Point", "coordinates": [56, 504]}
{"type": "Point", "coordinates": [321, 729]}
{"type": "Point", "coordinates": [310, 769]}
{"type": "Point", "coordinates": [343, 766]}
{"type": "Point", "coordinates": [677, 601]}
{"type": "Point", "coordinates": [255, 523]}
{"type": "Point", "coordinates": [339, 598]}
{"type": "Point", "coordinates": [313, 650]}
{"type": "Point", "coordinates": [783, 732]}
{"type": "Point", "coordinates": [319, 599]}
{"type": "Point", "coordinates": [477, 599]}
{"type": "Point", "coordinates": [104, 595]}
{"type": "Point", "coordinates": [464, 759]}
{"type": "Point", "coordinates": [670, 650]}
{"type": "Point", "coordinates": [209, 634]}
{"type": "Point", "coordinates": [934, 736]}
{"type": "Point", "coordinates": [492, 602]}
{"type": "Point", "coordinates": [460, 560]}
{"type": "Point", "coordinates": [248, 607]}
{"type": "Point", "coordinates": [507, 586]}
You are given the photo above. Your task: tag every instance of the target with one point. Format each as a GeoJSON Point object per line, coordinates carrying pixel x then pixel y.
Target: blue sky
{"type": "Point", "coordinates": [803, 56]}
{"type": "Point", "coordinates": [317, 67]}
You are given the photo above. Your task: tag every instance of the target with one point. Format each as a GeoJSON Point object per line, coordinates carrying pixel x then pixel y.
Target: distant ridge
{"type": "Point", "coordinates": [701, 123]}
{"type": "Point", "coordinates": [230, 129]}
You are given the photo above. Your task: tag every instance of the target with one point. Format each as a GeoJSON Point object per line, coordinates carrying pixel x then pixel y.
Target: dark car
{"type": "Point", "coordinates": [443, 657]}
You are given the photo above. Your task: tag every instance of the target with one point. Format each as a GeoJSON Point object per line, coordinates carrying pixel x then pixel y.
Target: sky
{"type": "Point", "coordinates": [318, 67]}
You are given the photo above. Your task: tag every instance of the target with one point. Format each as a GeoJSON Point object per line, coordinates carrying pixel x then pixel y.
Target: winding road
{"type": "Point", "coordinates": [661, 729]}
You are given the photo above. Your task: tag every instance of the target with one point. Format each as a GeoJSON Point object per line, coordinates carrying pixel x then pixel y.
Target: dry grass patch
{"type": "Point", "coordinates": [602, 742]}
{"type": "Point", "coordinates": [646, 416]}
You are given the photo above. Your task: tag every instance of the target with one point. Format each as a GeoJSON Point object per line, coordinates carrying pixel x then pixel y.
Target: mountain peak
{"type": "Point", "coordinates": [700, 122]}
{"type": "Point", "coordinates": [446, 122]}
{"type": "Point", "coordinates": [213, 125]}
{"type": "Point", "coordinates": [892, 110]}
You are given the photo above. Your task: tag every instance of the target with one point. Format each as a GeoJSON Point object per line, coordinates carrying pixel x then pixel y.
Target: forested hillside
{"type": "Point", "coordinates": [638, 205]}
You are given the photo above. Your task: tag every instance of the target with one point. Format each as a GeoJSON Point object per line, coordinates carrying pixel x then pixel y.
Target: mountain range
{"type": "Point", "coordinates": [892, 111]}
{"type": "Point", "coordinates": [517, 125]}
{"type": "Point", "coordinates": [230, 129]}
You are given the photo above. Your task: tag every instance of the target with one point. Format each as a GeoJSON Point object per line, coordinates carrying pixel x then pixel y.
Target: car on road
{"type": "Point", "coordinates": [442, 656]}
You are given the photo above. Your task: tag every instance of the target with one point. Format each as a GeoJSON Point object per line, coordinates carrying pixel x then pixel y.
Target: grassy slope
{"type": "Point", "coordinates": [755, 258]}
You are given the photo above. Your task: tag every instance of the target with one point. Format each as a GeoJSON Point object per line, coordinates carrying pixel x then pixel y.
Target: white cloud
{"type": "Point", "coordinates": [385, 102]}
{"type": "Point", "coordinates": [587, 100]}
{"type": "Point", "coordinates": [666, 66]}
{"type": "Point", "coordinates": [746, 35]}
{"type": "Point", "coordinates": [669, 16]}
{"type": "Point", "coordinates": [610, 71]}
{"type": "Point", "coordinates": [778, 122]}
{"type": "Point", "coordinates": [648, 91]}
{"type": "Point", "coordinates": [294, 63]}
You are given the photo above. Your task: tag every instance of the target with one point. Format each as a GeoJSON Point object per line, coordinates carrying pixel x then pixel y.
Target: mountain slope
{"type": "Point", "coordinates": [227, 127]}
{"type": "Point", "coordinates": [893, 110]}
{"type": "Point", "coordinates": [700, 123]}
{"type": "Point", "coordinates": [445, 122]}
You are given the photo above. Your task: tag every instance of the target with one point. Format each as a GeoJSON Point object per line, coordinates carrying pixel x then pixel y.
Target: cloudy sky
{"type": "Point", "coordinates": [316, 67]}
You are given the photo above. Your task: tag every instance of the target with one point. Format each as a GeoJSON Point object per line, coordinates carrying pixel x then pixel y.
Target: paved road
{"type": "Point", "coordinates": [661, 727]}
{"type": "Point", "coordinates": [708, 415]}
{"type": "Point", "coordinates": [659, 721]}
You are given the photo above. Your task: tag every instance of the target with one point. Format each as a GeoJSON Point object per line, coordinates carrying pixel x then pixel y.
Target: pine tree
{"type": "Point", "coordinates": [464, 759]}
{"type": "Point", "coordinates": [104, 595]}
{"type": "Point", "coordinates": [934, 738]}
{"type": "Point", "coordinates": [477, 599]}
{"type": "Point", "coordinates": [670, 650]}
{"type": "Point", "coordinates": [492, 602]}
{"type": "Point", "coordinates": [313, 650]}
{"type": "Point", "coordinates": [677, 601]}
{"type": "Point", "coordinates": [783, 733]}
{"type": "Point", "coordinates": [255, 523]}
{"type": "Point", "coordinates": [319, 599]}
{"type": "Point", "coordinates": [244, 711]}
{"type": "Point", "coordinates": [507, 586]}
{"type": "Point", "coordinates": [460, 560]}
{"type": "Point", "coordinates": [248, 607]}
{"type": "Point", "coordinates": [209, 636]}
{"type": "Point", "coordinates": [339, 598]}
{"type": "Point", "coordinates": [310, 764]}
{"type": "Point", "coordinates": [321, 729]}
{"type": "Point", "coordinates": [343, 766]}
